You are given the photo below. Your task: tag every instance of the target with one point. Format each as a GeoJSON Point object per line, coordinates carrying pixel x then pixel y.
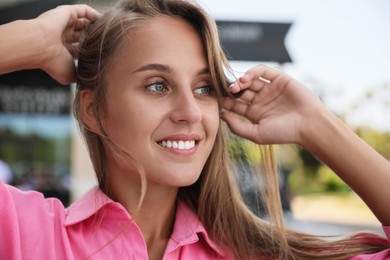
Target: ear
{"type": "Point", "coordinates": [88, 115]}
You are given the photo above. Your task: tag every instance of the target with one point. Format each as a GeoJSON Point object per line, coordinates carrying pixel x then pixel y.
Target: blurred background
{"type": "Point", "coordinates": [338, 49]}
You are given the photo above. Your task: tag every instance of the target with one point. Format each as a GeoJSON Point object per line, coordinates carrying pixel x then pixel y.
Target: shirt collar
{"type": "Point", "coordinates": [89, 205]}
{"type": "Point", "coordinates": [186, 230]}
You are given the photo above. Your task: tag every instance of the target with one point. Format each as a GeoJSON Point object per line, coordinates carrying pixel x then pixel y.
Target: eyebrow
{"type": "Point", "coordinates": [167, 69]}
{"type": "Point", "coordinates": [156, 67]}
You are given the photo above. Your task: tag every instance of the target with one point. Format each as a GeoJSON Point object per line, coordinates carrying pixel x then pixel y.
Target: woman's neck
{"type": "Point", "coordinates": [154, 216]}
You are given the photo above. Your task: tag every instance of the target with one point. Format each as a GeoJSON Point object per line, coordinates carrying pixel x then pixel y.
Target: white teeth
{"type": "Point", "coordinates": [181, 145]}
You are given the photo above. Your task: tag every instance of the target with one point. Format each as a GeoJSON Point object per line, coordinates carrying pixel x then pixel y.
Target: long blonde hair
{"type": "Point", "coordinates": [215, 196]}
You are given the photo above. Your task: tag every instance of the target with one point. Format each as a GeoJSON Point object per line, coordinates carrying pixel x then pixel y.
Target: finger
{"type": "Point", "coordinates": [234, 105]}
{"type": "Point", "coordinates": [80, 24]}
{"type": "Point", "coordinates": [248, 96]}
{"type": "Point", "coordinates": [256, 84]}
{"type": "Point", "coordinates": [71, 36]}
{"type": "Point", "coordinates": [67, 73]}
{"type": "Point", "coordinates": [73, 50]}
{"type": "Point", "coordinates": [239, 126]}
{"type": "Point", "coordinates": [254, 91]}
{"type": "Point", "coordinates": [261, 72]}
{"type": "Point", "coordinates": [234, 87]}
{"type": "Point", "coordinates": [85, 11]}
{"type": "Point", "coordinates": [236, 91]}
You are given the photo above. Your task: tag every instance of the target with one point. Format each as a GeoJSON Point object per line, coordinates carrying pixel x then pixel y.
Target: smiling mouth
{"type": "Point", "coordinates": [178, 144]}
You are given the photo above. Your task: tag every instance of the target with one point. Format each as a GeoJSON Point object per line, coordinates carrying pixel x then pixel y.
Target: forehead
{"type": "Point", "coordinates": [162, 40]}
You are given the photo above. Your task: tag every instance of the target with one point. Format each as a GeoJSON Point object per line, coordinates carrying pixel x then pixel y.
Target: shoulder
{"type": "Point", "coordinates": [27, 206]}
{"type": "Point", "coordinates": [28, 222]}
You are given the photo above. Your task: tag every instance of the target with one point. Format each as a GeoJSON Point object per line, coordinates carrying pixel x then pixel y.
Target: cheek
{"type": "Point", "coordinates": [132, 122]}
{"type": "Point", "coordinates": [212, 117]}
{"type": "Point", "coordinates": [118, 122]}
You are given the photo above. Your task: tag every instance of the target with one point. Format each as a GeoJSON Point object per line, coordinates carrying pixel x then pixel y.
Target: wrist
{"type": "Point", "coordinates": [43, 46]}
{"type": "Point", "coordinates": [321, 130]}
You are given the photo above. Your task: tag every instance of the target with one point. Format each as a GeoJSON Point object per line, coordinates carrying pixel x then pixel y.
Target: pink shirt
{"type": "Point", "coordinates": [95, 227]}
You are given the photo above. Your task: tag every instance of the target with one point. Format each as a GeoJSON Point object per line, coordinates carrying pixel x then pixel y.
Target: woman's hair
{"type": "Point", "coordinates": [215, 196]}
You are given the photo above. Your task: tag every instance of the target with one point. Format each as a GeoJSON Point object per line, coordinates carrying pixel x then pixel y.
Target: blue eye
{"type": "Point", "coordinates": [204, 90]}
{"type": "Point", "coordinates": [159, 86]}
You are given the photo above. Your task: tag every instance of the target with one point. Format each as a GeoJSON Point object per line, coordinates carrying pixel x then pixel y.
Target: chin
{"type": "Point", "coordinates": [183, 180]}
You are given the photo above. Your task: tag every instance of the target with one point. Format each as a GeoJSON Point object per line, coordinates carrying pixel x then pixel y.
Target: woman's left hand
{"type": "Point", "coordinates": [277, 108]}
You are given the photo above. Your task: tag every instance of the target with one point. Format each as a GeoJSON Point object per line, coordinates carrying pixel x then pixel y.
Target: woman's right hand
{"type": "Point", "coordinates": [61, 29]}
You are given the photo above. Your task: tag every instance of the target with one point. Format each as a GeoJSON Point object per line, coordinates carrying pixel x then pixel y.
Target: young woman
{"type": "Point", "coordinates": [151, 92]}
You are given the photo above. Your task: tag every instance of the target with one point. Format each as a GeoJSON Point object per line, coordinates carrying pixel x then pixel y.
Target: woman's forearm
{"type": "Point", "coordinates": [359, 165]}
{"type": "Point", "coordinates": [22, 45]}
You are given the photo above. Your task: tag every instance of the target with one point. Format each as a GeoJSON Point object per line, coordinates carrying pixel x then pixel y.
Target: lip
{"type": "Point", "coordinates": [183, 137]}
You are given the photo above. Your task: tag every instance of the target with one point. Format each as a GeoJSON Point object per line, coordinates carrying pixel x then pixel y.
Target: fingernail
{"type": "Point", "coordinates": [242, 78]}
{"type": "Point", "coordinates": [232, 84]}
{"type": "Point", "coordinates": [222, 114]}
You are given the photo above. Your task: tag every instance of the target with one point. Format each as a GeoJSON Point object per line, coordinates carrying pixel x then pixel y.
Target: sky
{"type": "Point", "coordinates": [340, 50]}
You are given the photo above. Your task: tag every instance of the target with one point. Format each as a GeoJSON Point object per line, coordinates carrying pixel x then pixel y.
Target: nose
{"type": "Point", "coordinates": [186, 108]}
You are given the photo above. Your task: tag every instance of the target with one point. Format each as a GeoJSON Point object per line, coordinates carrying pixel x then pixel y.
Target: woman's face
{"type": "Point", "coordinates": [162, 109]}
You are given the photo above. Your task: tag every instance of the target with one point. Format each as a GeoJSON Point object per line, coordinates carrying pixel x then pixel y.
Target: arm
{"type": "Point", "coordinates": [360, 166]}
{"type": "Point", "coordinates": [22, 47]}
{"type": "Point", "coordinates": [282, 110]}
{"type": "Point", "coordinates": [48, 42]}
